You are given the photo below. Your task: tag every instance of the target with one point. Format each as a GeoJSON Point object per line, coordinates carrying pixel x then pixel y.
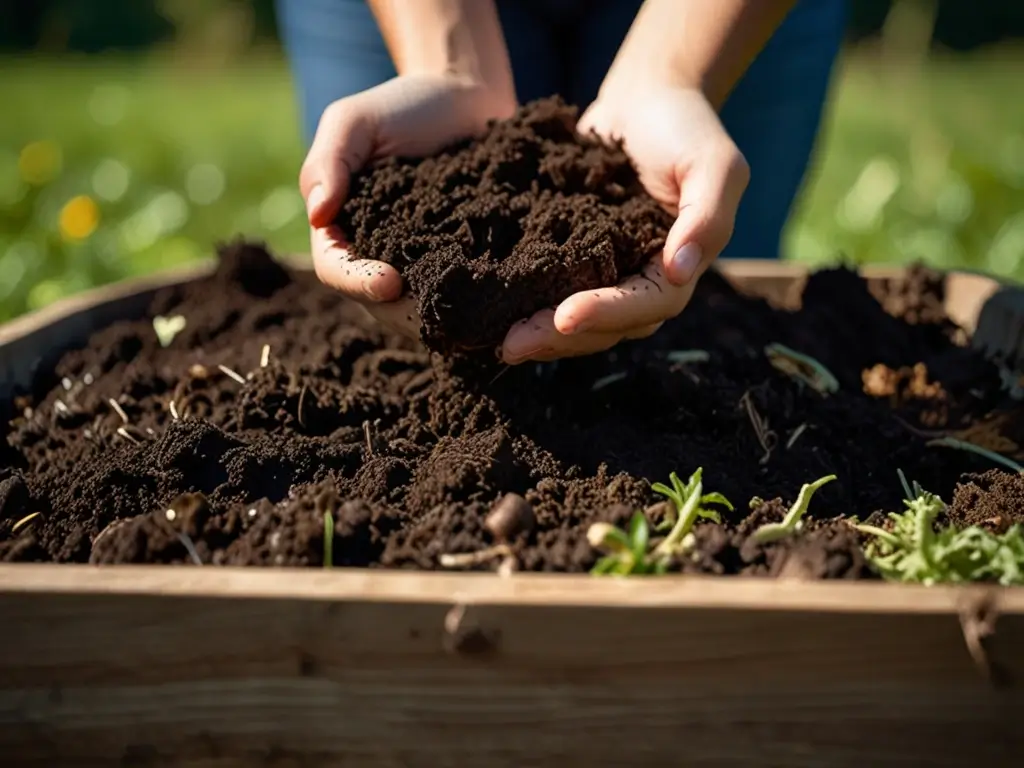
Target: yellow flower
{"type": "Point", "coordinates": [39, 162]}
{"type": "Point", "coordinates": [79, 218]}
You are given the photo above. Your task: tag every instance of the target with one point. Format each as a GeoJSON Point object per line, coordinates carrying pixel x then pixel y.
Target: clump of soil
{"type": "Point", "coordinates": [488, 232]}
{"type": "Point", "coordinates": [409, 452]}
{"type": "Point", "coordinates": [993, 500]}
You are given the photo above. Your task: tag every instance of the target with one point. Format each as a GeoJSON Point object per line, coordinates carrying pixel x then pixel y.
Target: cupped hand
{"type": "Point", "coordinates": [688, 163]}
{"type": "Point", "coordinates": [409, 115]}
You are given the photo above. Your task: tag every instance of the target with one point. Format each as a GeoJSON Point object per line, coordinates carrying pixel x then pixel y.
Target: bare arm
{"type": "Point", "coordinates": [455, 37]}
{"type": "Point", "coordinates": [706, 44]}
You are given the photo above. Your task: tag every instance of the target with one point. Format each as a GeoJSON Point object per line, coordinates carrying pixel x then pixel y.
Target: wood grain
{"type": "Point", "coordinates": [180, 666]}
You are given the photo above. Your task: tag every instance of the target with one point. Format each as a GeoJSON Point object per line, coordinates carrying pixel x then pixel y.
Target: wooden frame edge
{"type": "Point", "coordinates": [526, 589]}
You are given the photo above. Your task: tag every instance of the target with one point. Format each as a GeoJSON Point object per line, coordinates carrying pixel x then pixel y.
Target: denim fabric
{"type": "Point", "coordinates": [566, 46]}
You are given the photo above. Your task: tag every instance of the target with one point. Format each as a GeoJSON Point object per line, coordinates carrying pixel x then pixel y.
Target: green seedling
{"type": "Point", "coordinates": [631, 553]}
{"type": "Point", "coordinates": [627, 552]}
{"type": "Point", "coordinates": [166, 328]}
{"type": "Point", "coordinates": [912, 550]}
{"type": "Point", "coordinates": [803, 368]}
{"type": "Point", "coordinates": [679, 494]}
{"type": "Point", "coordinates": [776, 531]}
{"type": "Point", "coordinates": [328, 540]}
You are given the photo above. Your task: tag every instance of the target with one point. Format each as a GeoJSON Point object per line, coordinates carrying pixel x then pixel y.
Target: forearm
{"type": "Point", "coordinates": [460, 37]}
{"type": "Point", "coordinates": [706, 44]}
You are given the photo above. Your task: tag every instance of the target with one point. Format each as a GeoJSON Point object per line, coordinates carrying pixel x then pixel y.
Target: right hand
{"type": "Point", "coordinates": [409, 115]}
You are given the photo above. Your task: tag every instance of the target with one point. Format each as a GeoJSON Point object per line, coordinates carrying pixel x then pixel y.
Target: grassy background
{"type": "Point", "coordinates": [114, 167]}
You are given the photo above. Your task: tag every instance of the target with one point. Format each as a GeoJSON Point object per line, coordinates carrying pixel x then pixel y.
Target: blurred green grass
{"type": "Point", "coordinates": [115, 167]}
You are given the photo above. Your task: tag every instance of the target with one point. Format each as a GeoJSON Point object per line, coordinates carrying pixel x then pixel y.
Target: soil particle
{"type": "Point", "coordinates": [488, 232]}
{"type": "Point", "coordinates": [409, 452]}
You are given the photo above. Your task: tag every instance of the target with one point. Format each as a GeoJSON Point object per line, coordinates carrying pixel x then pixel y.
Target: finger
{"type": "Point", "coordinates": [638, 301]}
{"type": "Point", "coordinates": [341, 147]}
{"type": "Point", "coordinates": [709, 198]}
{"type": "Point", "coordinates": [359, 279]}
{"type": "Point", "coordinates": [538, 339]}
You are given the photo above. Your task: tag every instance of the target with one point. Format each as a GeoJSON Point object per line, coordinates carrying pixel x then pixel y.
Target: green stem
{"type": "Point", "coordinates": [774, 531]}
{"type": "Point", "coordinates": [687, 516]}
{"type": "Point", "coordinates": [882, 534]}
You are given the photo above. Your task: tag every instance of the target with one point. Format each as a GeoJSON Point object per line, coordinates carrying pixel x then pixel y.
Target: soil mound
{"type": "Point", "coordinates": [488, 232]}
{"type": "Point", "coordinates": [135, 452]}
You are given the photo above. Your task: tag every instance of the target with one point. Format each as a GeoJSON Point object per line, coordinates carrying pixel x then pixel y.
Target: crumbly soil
{"type": "Point", "coordinates": [488, 232]}
{"type": "Point", "coordinates": [408, 451]}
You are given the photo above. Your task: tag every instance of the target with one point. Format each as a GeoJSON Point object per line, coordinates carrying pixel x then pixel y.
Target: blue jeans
{"type": "Point", "coordinates": [566, 47]}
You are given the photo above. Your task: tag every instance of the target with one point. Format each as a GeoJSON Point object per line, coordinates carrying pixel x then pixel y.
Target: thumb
{"type": "Point", "coordinates": [707, 214]}
{"type": "Point", "coordinates": [341, 146]}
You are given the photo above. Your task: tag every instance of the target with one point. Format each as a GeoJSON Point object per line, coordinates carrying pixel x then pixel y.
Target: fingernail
{"type": "Point", "coordinates": [515, 359]}
{"type": "Point", "coordinates": [315, 199]}
{"type": "Point", "coordinates": [580, 327]}
{"type": "Point", "coordinates": [686, 261]}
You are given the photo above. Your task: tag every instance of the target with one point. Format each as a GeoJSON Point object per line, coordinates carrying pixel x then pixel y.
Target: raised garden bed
{"type": "Point", "coordinates": [187, 426]}
{"type": "Point", "coordinates": [227, 666]}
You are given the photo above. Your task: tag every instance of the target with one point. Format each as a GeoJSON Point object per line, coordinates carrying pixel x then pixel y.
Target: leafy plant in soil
{"type": "Point", "coordinates": [628, 552]}
{"type": "Point", "coordinates": [910, 549]}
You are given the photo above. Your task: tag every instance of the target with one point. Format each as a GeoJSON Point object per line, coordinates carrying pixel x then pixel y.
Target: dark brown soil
{"type": "Point", "coordinates": [408, 452]}
{"type": "Point", "coordinates": [993, 500]}
{"type": "Point", "coordinates": [488, 232]}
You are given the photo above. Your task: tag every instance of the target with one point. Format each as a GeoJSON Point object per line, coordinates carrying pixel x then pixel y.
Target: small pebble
{"type": "Point", "coordinates": [171, 514]}
{"type": "Point", "coordinates": [510, 516]}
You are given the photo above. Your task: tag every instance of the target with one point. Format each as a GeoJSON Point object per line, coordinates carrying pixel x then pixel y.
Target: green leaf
{"type": "Point", "coordinates": [717, 498]}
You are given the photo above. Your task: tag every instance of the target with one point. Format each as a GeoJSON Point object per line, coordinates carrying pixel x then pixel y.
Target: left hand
{"type": "Point", "coordinates": [690, 165]}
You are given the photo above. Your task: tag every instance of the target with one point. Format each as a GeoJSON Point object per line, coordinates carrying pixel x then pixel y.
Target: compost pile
{"type": "Point", "coordinates": [269, 416]}
{"type": "Point", "coordinates": [488, 232]}
{"type": "Point", "coordinates": [407, 451]}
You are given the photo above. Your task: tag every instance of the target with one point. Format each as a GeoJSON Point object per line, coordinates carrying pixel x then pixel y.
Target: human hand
{"type": "Point", "coordinates": [409, 115]}
{"type": "Point", "coordinates": [688, 163]}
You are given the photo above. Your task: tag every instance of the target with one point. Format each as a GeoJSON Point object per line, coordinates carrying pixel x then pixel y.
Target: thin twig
{"type": "Point", "coordinates": [500, 373]}
{"type": "Point", "coordinates": [766, 437]}
{"type": "Point", "coordinates": [265, 356]}
{"type": "Point", "coordinates": [369, 438]}
{"type": "Point", "coordinates": [233, 374]}
{"type": "Point", "coordinates": [127, 436]}
{"type": "Point", "coordinates": [302, 402]}
{"type": "Point", "coordinates": [606, 381]}
{"type": "Point", "coordinates": [469, 559]}
{"type": "Point", "coordinates": [174, 411]}
{"type": "Point", "coordinates": [25, 521]}
{"type": "Point", "coordinates": [684, 356]}
{"type": "Point", "coordinates": [186, 540]}
{"type": "Point", "coordinates": [796, 435]}
{"type": "Point", "coordinates": [119, 410]}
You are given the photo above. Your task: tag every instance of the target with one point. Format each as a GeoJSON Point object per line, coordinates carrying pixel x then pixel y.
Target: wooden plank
{"type": "Point", "coordinates": [176, 666]}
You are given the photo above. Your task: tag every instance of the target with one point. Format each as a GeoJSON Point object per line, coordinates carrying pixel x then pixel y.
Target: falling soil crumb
{"type": "Point", "coordinates": [993, 500]}
{"type": "Point", "coordinates": [488, 232]}
{"type": "Point", "coordinates": [409, 453]}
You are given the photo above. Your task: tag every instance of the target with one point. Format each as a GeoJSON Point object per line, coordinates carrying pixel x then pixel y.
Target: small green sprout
{"type": "Point", "coordinates": [776, 531]}
{"type": "Point", "coordinates": [679, 493]}
{"type": "Point", "coordinates": [166, 328]}
{"type": "Point", "coordinates": [328, 540]}
{"type": "Point", "coordinates": [627, 552]}
{"type": "Point", "coordinates": [803, 368]}
{"type": "Point", "coordinates": [914, 551]}
{"type": "Point", "coordinates": [631, 553]}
